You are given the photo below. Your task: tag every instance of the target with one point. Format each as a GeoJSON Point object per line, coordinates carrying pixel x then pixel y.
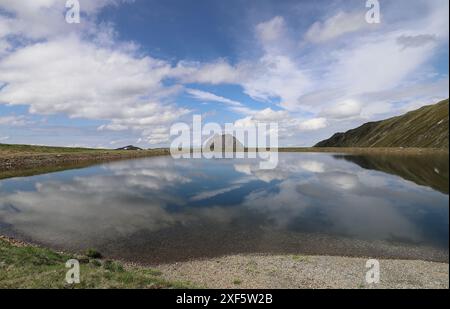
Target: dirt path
{"type": "Point", "coordinates": [257, 271]}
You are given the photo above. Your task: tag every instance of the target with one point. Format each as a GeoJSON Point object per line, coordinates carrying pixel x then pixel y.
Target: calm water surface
{"type": "Point", "coordinates": [163, 210]}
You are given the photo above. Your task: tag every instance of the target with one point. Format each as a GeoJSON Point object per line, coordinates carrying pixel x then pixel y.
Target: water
{"type": "Point", "coordinates": [157, 210]}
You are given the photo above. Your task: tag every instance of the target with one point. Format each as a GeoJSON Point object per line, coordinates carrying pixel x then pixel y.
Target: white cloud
{"type": "Point", "coordinates": [213, 193]}
{"type": "Point", "coordinates": [336, 26]}
{"type": "Point", "coordinates": [247, 122]}
{"type": "Point", "coordinates": [276, 76]}
{"type": "Point", "coordinates": [42, 19]}
{"type": "Point", "coordinates": [312, 166]}
{"type": "Point", "coordinates": [378, 64]}
{"type": "Point", "coordinates": [269, 115]}
{"type": "Point", "coordinates": [218, 72]}
{"type": "Point", "coordinates": [82, 71]}
{"type": "Point", "coordinates": [13, 121]}
{"type": "Point", "coordinates": [313, 124]}
{"type": "Point", "coordinates": [157, 135]}
{"type": "Point", "coordinates": [243, 168]}
{"type": "Point", "coordinates": [234, 106]}
{"type": "Point", "coordinates": [271, 30]}
{"type": "Point", "coordinates": [376, 74]}
{"type": "Point", "coordinates": [272, 76]}
{"type": "Point", "coordinates": [211, 97]}
{"type": "Point", "coordinates": [94, 83]}
{"type": "Point", "coordinates": [342, 110]}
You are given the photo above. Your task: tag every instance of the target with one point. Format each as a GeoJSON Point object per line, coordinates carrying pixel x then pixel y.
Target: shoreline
{"type": "Point", "coordinates": [28, 164]}
{"type": "Point", "coordinates": [254, 271]}
{"type": "Point", "coordinates": [19, 162]}
{"type": "Point", "coordinates": [241, 271]}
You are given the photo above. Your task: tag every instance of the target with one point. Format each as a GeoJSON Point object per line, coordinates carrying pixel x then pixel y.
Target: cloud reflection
{"type": "Point", "coordinates": [305, 194]}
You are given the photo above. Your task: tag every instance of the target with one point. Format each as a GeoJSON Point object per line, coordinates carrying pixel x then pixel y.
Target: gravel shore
{"type": "Point", "coordinates": [318, 272]}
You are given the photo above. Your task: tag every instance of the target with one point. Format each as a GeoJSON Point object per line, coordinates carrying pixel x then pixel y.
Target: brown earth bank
{"type": "Point", "coordinates": [14, 164]}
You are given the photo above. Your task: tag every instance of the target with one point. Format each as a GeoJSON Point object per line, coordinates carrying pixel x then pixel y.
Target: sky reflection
{"type": "Point", "coordinates": [163, 209]}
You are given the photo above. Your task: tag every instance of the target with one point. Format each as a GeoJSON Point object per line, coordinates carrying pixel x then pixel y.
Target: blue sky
{"type": "Point", "coordinates": [131, 69]}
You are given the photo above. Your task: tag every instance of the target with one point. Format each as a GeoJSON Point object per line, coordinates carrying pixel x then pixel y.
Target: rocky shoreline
{"type": "Point", "coordinates": [257, 271]}
{"type": "Point", "coordinates": [306, 272]}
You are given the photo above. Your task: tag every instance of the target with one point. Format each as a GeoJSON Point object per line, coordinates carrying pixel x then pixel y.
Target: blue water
{"type": "Point", "coordinates": [161, 209]}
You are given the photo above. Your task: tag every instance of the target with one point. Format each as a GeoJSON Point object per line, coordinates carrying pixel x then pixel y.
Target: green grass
{"type": "Point", "coordinates": [237, 282]}
{"type": "Point", "coordinates": [44, 149]}
{"type": "Point", "coordinates": [14, 149]}
{"type": "Point", "coordinates": [300, 258]}
{"type": "Point", "coordinates": [92, 253]}
{"type": "Point", "coordinates": [34, 267]}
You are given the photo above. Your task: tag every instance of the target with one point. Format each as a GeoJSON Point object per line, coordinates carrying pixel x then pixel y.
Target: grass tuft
{"type": "Point", "coordinates": [93, 254]}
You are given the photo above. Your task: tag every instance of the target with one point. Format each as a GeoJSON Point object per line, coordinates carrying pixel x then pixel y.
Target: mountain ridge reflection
{"type": "Point", "coordinates": [426, 169]}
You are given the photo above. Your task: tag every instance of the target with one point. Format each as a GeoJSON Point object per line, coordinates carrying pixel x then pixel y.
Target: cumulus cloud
{"type": "Point", "coordinates": [269, 115]}
{"type": "Point", "coordinates": [342, 110]}
{"type": "Point", "coordinates": [93, 83]}
{"type": "Point", "coordinates": [42, 19]}
{"type": "Point", "coordinates": [380, 72]}
{"type": "Point", "coordinates": [275, 75]}
{"type": "Point", "coordinates": [313, 124]}
{"type": "Point", "coordinates": [271, 30]}
{"type": "Point", "coordinates": [287, 81]}
{"type": "Point", "coordinates": [266, 115]}
{"type": "Point", "coordinates": [84, 73]}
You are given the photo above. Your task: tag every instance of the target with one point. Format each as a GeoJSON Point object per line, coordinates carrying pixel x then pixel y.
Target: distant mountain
{"type": "Point", "coordinates": [129, 147]}
{"type": "Point", "coordinates": [426, 127]}
{"type": "Point", "coordinates": [224, 143]}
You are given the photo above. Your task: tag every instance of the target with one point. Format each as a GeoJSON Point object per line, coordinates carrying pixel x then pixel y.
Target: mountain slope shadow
{"type": "Point", "coordinates": [425, 170]}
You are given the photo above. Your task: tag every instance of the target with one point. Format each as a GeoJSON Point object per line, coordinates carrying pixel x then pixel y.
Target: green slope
{"type": "Point", "coordinates": [426, 127]}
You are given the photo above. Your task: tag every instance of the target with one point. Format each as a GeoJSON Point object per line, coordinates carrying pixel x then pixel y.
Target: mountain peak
{"type": "Point", "coordinates": [224, 143]}
{"type": "Point", "coordinates": [129, 147]}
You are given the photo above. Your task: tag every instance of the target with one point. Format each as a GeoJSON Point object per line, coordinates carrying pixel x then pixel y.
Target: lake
{"type": "Point", "coordinates": [156, 210]}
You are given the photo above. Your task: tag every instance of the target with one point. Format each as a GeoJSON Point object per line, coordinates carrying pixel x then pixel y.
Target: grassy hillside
{"type": "Point", "coordinates": [426, 127]}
